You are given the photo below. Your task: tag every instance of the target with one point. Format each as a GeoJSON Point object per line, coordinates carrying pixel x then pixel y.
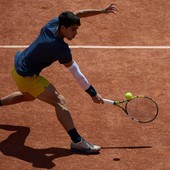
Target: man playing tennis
{"type": "Point", "coordinates": [46, 49]}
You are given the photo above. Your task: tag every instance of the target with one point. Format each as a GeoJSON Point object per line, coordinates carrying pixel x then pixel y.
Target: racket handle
{"type": "Point", "coordinates": [108, 101]}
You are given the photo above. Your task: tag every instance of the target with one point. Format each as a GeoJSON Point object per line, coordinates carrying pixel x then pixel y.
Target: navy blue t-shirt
{"type": "Point", "coordinates": [46, 49]}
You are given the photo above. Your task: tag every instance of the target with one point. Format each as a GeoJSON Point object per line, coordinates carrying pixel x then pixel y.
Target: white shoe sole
{"type": "Point", "coordinates": [85, 147]}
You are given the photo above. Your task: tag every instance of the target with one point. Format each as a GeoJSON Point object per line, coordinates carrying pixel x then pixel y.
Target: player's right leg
{"type": "Point", "coordinates": [53, 97]}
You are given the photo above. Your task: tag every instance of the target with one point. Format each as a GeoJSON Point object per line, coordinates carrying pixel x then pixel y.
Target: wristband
{"type": "Point", "coordinates": [91, 91]}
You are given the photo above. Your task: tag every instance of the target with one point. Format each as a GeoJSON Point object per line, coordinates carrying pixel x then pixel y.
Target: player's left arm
{"type": "Point", "coordinates": [112, 8]}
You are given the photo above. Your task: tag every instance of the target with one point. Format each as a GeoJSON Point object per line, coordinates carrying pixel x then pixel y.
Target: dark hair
{"type": "Point", "coordinates": [68, 18]}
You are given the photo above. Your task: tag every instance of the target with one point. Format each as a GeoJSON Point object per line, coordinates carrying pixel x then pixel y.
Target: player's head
{"type": "Point", "coordinates": [68, 24]}
{"type": "Point", "coordinates": [67, 19]}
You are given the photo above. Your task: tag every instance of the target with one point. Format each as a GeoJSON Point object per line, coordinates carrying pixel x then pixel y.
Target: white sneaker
{"type": "Point", "coordinates": [84, 146]}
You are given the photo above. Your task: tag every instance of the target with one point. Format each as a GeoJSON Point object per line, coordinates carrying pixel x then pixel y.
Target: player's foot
{"type": "Point", "coordinates": [85, 147]}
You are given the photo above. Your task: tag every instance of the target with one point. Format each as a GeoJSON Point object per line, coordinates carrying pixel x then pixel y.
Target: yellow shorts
{"type": "Point", "coordinates": [34, 85]}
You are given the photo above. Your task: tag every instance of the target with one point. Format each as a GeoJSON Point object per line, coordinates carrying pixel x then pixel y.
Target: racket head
{"type": "Point", "coordinates": [142, 109]}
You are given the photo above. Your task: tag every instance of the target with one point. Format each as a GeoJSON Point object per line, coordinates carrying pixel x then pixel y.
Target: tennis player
{"type": "Point", "coordinates": [47, 48]}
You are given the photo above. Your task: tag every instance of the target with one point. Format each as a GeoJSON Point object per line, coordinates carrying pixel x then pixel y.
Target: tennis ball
{"type": "Point", "coordinates": [128, 95]}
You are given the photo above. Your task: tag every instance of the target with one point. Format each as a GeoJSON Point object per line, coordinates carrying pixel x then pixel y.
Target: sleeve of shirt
{"type": "Point", "coordinates": [62, 50]}
{"type": "Point", "coordinates": [64, 55]}
{"type": "Point", "coordinates": [53, 23]}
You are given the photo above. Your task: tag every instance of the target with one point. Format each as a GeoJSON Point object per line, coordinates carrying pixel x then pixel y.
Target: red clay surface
{"type": "Point", "coordinates": [31, 137]}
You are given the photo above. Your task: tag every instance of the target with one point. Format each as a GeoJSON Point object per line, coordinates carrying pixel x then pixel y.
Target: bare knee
{"type": "Point", "coordinates": [61, 99]}
{"type": "Point", "coordinates": [61, 103]}
{"type": "Point", "coordinates": [53, 97]}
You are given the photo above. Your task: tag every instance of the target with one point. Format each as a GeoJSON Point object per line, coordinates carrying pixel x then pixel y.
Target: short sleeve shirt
{"type": "Point", "coordinates": [47, 48]}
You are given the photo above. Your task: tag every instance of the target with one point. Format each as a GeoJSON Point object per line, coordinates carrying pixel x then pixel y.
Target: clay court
{"type": "Point", "coordinates": [132, 55]}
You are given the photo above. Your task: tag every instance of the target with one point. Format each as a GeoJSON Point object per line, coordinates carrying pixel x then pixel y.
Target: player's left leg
{"type": "Point", "coordinates": [15, 98]}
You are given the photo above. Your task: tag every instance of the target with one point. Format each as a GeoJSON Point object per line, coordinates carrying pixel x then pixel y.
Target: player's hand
{"type": "Point", "coordinates": [111, 9]}
{"type": "Point", "coordinates": [98, 99]}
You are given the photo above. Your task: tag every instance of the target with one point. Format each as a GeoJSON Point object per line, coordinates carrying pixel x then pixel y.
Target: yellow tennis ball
{"type": "Point", "coordinates": [128, 95]}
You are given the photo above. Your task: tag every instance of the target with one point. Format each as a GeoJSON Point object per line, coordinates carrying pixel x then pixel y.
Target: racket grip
{"type": "Point", "coordinates": [108, 101]}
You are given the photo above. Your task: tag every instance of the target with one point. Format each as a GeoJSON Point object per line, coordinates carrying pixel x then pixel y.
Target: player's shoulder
{"type": "Point", "coordinates": [50, 28]}
{"type": "Point", "coordinates": [52, 23]}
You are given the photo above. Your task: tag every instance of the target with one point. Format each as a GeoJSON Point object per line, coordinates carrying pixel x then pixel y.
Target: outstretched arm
{"type": "Point", "coordinates": [83, 82]}
{"type": "Point", "coordinates": [91, 12]}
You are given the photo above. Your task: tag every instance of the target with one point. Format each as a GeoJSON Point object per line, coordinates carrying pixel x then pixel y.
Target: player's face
{"type": "Point", "coordinates": [70, 32]}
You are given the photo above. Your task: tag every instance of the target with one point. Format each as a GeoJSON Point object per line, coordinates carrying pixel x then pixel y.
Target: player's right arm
{"type": "Point", "coordinates": [83, 82]}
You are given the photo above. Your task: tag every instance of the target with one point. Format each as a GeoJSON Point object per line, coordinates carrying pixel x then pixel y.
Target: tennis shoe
{"type": "Point", "coordinates": [85, 147]}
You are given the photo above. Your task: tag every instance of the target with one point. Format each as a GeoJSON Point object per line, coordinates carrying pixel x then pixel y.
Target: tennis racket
{"type": "Point", "coordinates": [141, 109]}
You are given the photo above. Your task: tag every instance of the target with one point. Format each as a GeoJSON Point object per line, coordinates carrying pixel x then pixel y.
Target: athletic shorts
{"type": "Point", "coordinates": [34, 85]}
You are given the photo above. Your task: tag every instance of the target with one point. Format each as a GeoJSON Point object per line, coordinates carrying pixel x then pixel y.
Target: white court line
{"type": "Point", "coordinates": [121, 47]}
{"type": "Point", "coordinates": [96, 47]}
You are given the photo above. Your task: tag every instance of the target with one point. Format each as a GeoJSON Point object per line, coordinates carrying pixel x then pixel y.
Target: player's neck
{"type": "Point", "coordinates": [60, 34]}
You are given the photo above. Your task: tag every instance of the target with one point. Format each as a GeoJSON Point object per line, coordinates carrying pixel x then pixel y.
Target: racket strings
{"type": "Point", "coordinates": [142, 109]}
